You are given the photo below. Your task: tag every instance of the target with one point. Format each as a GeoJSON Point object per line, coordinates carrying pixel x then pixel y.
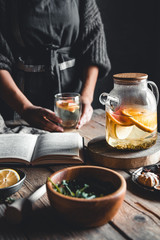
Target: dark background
{"type": "Point", "coordinates": [132, 33]}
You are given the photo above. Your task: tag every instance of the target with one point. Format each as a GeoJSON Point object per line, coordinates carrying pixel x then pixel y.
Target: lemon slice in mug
{"type": "Point", "coordinates": [8, 177]}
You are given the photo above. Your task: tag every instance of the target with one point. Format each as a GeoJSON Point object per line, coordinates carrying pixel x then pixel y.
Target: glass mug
{"type": "Point", "coordinates": [131, 112]}
{"type": "Point", "coordinates": [67, 106]}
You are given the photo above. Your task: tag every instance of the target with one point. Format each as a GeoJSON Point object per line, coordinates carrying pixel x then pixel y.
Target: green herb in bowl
{"type": "Point", "coordinates": [83, 188]}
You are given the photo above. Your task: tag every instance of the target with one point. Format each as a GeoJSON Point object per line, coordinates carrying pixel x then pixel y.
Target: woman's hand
{"type": "Point", "coordinates": [89, 82]}
{"type": "Point", "coordinates": [42, 118]}
{"type": "Point", "coordinates": [87, 112]}
{"type": "Point", "coordinates": [36, 116]}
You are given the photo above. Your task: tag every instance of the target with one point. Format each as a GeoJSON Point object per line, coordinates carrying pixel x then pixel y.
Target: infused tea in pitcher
{"type": "Point", "coordinates": [131, 127]}
{"type": "Point", "coordinates": [131, 112]}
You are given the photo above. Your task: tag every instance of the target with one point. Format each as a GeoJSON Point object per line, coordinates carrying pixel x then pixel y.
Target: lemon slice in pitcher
{"type": "Point", "coordinates": [118, 131]}
{"type": "Point", "coordinates": [8, 177]}
{"type": "Point", "coordinates": [139, 134]}
{"type": "Point", "coordinates": [122, 132]}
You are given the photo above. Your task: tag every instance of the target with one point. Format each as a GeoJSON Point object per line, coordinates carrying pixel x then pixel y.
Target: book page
{"type": "Point", "coordinates": [58, 144]}
{"type": "Point", "coordinates": [19, 146]}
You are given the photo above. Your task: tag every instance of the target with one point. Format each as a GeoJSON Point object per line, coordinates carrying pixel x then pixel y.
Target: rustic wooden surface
{"type": "Point", "coordinates": [138, 218]}
{"type": "Point", "coordinates": [107, 156]}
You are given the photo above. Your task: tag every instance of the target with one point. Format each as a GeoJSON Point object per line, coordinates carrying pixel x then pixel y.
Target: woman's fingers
{"type": "Point", "coordinates": [43, 118]}
{"type": "Point", "coordinates": [87, 112]}
{"type": "Point", "coordinates": [50, 115]}
{"type": "Point", "coordinates": [50, 121]}
{"type": "Point", "coordinates": [51, 126]}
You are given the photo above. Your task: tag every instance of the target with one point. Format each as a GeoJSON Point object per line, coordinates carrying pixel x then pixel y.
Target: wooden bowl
{"type": "Point", "coordinates": [83, 212]}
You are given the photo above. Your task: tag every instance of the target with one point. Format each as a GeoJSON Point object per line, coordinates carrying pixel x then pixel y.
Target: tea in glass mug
{"type": "Point", "coordinates": [67, 106]}
{"type": "Point", "coordinates": [131, 112]}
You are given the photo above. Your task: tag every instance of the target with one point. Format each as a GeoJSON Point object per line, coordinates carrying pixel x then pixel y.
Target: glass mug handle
{"type": "Point", "coordinates": [154, 89]}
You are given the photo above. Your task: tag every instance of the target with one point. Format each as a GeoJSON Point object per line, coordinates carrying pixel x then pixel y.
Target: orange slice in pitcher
{"type": "Point", "coordinates": [142, 118]}
{"type": "Point", "coordinates": [119, 118]}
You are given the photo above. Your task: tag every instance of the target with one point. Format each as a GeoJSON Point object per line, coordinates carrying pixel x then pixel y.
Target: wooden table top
{"type": "Point", "coordinates": [138, 217]}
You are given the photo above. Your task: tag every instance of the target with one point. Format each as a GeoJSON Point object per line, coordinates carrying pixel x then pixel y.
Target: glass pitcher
{"type": "Point", "coordinates": [131, 112]}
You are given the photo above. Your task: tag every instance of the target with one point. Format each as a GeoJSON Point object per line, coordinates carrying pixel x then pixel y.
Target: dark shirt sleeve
{"type": "Point", "coordinates": [94, 48]}
{"type": "Point", "coordinates": [97, 55]}
{"type": "Point", "coordinates": [6, 57]}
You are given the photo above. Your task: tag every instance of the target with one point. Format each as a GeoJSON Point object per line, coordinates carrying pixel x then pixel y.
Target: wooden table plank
{"type": "Point", "coordinates": [52, 230]}
{"type": "Point", "coordinates": [137, 215]}
{"type": "Point", "coordinates": [148, 202]}
{"type": "Point", "coordinates": [136, 224]}
{"type": "Point", "coordinates": [10, 231]}
{"type": "Point", "coordinates": [91, 130]}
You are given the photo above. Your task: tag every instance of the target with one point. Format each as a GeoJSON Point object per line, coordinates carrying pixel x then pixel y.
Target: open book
{"type": "Point", "coordinates": [49, 148]}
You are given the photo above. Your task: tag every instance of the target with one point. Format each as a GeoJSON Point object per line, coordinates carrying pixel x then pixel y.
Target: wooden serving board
{"type": "Point", "coordinates": [104, 155]}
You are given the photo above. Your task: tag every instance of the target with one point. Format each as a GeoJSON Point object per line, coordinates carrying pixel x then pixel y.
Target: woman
{"type": "Point", "coordinates": [48, 47]}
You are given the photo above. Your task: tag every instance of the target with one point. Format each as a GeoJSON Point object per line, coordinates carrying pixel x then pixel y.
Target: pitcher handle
{"type": "Point", "coordinates": [154, 89]}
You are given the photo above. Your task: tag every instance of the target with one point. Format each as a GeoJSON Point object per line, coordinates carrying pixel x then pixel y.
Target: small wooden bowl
{"type": "Point", "coordinates": [83, 212]}
{"type": "Point", "coordinates": [8, 191]}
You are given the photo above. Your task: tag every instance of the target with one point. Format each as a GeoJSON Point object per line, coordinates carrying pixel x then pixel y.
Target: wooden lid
{"type": "Point", "coordinates": [130, 76]}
